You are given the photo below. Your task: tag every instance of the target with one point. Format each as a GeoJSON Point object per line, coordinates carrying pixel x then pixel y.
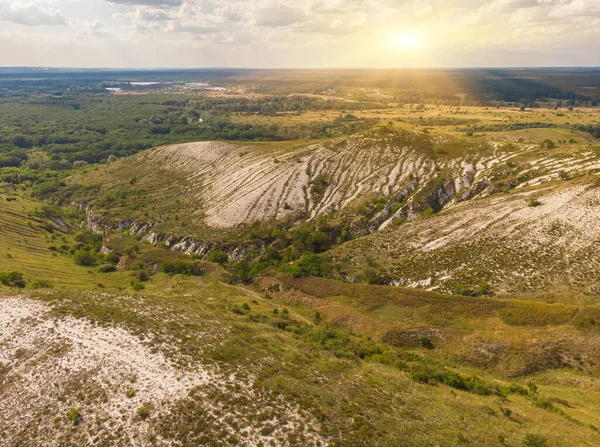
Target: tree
{"type": "Point", "coordinates": [218, 257]}
{"type": "Point", "coordinates": [84, 257]}
{"type": "Point", "coordinates": [370, 276]}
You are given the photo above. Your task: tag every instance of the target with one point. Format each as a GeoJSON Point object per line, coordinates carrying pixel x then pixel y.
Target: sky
{"type": "Point", "coordinates": [299, 33]}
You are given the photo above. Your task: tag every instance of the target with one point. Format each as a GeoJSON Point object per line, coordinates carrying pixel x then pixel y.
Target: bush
{"type": "Point", "coordinates": [279, 235]}
{"type": "Point", "coordinates": [143, 413]}
{"type": "Point", "coordinates": [309, 265]}
{"type": "Point", "coordinates": [240, 271]}
{"type": "Point", "coordinates": [111, 258]}
{"type": "Point", "coordinates": [182, 268]}
{"type": "Point", "coordinates": [547, 144]}
{"type": "Point", "coordinates": [532, 440]}
{"type": "Point", "coordinates": [84, 257]}
{"type": "Point", "coordinates": [271, 254]}
{"type": "Point", "coordinates": [427, 213]}
{"type": "Point", "coordinates": [12, 279]}
{"type": "Point", "coordinates": [107, 268]}
{"type": "Point", "coordinates": [218, 257]}
{"type": "Point", "coordinates": [137, 286]}
{"type": "Point", "coordinates": [74, 416]}
{"type": "Point", "coordinates": [39, 284]}
{"type": "Point", "coordinates": [370, 276]}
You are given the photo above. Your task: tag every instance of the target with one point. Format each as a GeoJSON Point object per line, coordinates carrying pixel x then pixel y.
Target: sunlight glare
{"type": "Point", "coordinates": [405, 41]}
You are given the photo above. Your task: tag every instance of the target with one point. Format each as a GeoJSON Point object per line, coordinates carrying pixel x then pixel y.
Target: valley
{"type": "Point", "coordinates": [337, 267]}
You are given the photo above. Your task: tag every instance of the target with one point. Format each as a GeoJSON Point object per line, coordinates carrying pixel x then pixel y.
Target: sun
{"type": "Point", "coordinates": [405, 41]}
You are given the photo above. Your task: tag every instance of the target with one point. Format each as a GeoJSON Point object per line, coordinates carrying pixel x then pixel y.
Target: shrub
{"type": "Point", "coordinates": [137, 286]}
{"type": "Point", "coordinates": [533, 201]}
{"type": "Point", "coordinates": [484, 289]}
{"type": "Point", "coordinates": [427, 213]}
{"type": "Point", "coordinates": [547, 144]}
{"type": "Point", "coordinates": [218, 257]}
{"type": "Point", "coordinates": [532, 440]}
{"type": "Point", "coordinates": [370, 276]}
{"type": "Point", "coordinates": [310, 265]}
{"type": "Point", "coordinates": [182, 268]}
{"type": "Point", "coordinates": [39, 284]}
{"type": "Point", "coordinates": [240, 271]}
{"type": "Point", "coordinates": [84, 257]}
{"type": "Point", "coordinates": [461, 289]}
{"type": "Point", "coordinates": [107, 268]}
{"type": "Point", "coordinates": [279, 235]}
{"type": "Point", "coordinates": [317, 319]}
{"type": "Point", "coordinates": [271, 254]}
{"type": "Point", "coordinates": [74, 416]}
{"type": "Point", "coordinates": [143, 413]}
{"type": "Point", "coordinates": [111, 258]}
{"type": "Point", "coordinates": [318, 187]}
{"type": "Point", "coordinates": [12, 279]}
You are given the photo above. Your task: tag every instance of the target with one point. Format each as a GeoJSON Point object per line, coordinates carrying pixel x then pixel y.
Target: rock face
{"type": "Point", "coordinates": [181, 244]}
{"type": "Point", "coordinates": [228, 185]}
{"type": "Point", "coordinates": [499, 240]}
{"type": "Point", "coordinates": [237, 185]}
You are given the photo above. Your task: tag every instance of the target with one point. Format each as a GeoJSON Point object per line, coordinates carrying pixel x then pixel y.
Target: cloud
{"type": "Point", "coordinates": [30, 14]}
{"type": "Point", "coordinates": [154, 15]}
{"type": "Point", "coordinates": [577, 8]}
{"type": "Point", "coordinates": [278, 15]}
{"type": "Point", "coordinates": [147, 2]}
{"type": "Point", "coordinates": [91, 28]}
{"type": "Point", "coordinates": [309, 32]}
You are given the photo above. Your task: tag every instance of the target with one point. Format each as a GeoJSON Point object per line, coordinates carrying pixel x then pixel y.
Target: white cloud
{"type": "Point", "coordinates": [307, 32]}
{"type": "Point", "coordinates": [148, 2]}
{"type": "Point", "coordinates": [30, 14]}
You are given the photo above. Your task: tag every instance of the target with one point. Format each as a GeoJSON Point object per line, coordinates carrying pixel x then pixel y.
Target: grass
{"type": "Point", "coordinates": [379, 366]}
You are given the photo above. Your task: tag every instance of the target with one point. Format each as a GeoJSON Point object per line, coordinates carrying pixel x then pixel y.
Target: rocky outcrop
{"type": "Point", "coordinates": [181, 244]}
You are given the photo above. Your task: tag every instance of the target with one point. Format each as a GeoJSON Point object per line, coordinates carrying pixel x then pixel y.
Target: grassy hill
{"type": "Point", "coordinates": [194, 360]}
{"type": "Point", "coordinates": [216, 293]}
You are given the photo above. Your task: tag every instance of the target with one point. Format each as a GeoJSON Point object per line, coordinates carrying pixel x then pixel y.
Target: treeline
{"type": "Point", "coordinates": [269, 105]}
{"type": "Point", "coordinates": [593, 129]}
{"type": "Point", "coordinates": [91, 128]}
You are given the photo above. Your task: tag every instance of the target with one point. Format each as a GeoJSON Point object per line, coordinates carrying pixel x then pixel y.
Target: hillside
{"type": "Point", "coordinates": [192, 360]}
{"type": "Point", "coordinates": [429, 281]}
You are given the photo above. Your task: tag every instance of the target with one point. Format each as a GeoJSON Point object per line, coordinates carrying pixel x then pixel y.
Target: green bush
{"type": "Point", "coordinates": [427, 213]}
{"type": "Point", "coordinates": [370, 276]}
{"type": "Point", "coordinates": [137, 286]}
{"type": "Point", "coordinates": [143, 413]}
{"type": "Point", "coordinates": [107, 268]}
{"type": "Point", "coordinates": [12, 279]}
{"type": "Point", "coordinates": [218, 257]}
{"type": "Point", "coordinates": [74, 416]}
{"type": "Point", "coordinates": [532, 440]}
{"type": "Point", "coordinates": [240, 271]}
{"type": "Point", "coordinates": [39, 284]}
{"type": "Point", "coordinates": [182, 268]}
{"type": "Point", "coordinates": [84, 257]}
{"type": "Point", "coordinates": [111, 258]}
{"type": "Point", "coordinates": [271, 254]}
{"type": "Point", "coordinates": [309, 265]}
